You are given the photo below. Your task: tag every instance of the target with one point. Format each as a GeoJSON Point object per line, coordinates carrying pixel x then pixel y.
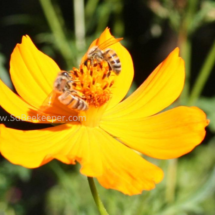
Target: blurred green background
{"type": "Point", "coordinates": [151, 29]}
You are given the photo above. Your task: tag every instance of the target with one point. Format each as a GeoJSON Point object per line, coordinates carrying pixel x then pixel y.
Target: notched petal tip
{"type": "Point", "coordinates": [126, 171]}
{"type": "Point", "coordinates": [23, 39]}
{"type": "Point", "coordinates": [105, 34]}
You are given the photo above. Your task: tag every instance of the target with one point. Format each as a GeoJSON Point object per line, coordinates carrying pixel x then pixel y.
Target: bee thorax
{"type": "Point", "coordinates": [96, 55]}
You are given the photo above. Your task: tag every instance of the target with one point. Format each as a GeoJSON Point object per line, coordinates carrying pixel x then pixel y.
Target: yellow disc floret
{"type": "Point", "coordinates": [94, 82]}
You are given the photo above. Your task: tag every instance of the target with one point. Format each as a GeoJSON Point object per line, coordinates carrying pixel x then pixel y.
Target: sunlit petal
{"type": "Point", "coordinates": [167, 135]}
{"type": "Point", "coordinates": [125, 170]}
{"type": "Point", "coordinates": [124, 79]}
{"type": "Point", "coordinates": [20, 109]}
{"type": "Point", "coordinates": [14, 105]}
{"type": "Point", "coordinates": [32, 72]}
{"type": "Point", "coordinates": [160, 89]}
{"type": "Point", "coordinates": [66, 143]}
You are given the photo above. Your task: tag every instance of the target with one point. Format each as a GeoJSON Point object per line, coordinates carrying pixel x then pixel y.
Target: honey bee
{"type": "Point", "coordinates": [101, 52]}
{"type": "Point", "coordinates": [63, 85]}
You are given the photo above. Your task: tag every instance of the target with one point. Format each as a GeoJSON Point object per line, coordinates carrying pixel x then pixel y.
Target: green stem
{"type": "Point", "coordinates": [203, 76]}
{"type": "Point", "coordinates": [90, 9]}
{"type": "Point", "coordinates": [79, 27]}
{"type": "Point", "coordinates": [97, 200]}
{"type": "Point", "coordinates": [185, 45]}
{"type": "Point", "coordinates": [57, 30]}
{"type": "Point", "coordinates": [186, 55]}
{"type": "Point", "coordinates": [171, 180]}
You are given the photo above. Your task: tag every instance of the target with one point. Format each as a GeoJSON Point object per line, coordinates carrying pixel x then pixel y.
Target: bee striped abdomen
{"type": "Point", "coordinates": [77, 103]}
{"type": "Point", "coordinates": [72, 100]}
{"type": "Point", "coordinates": [111, 57]}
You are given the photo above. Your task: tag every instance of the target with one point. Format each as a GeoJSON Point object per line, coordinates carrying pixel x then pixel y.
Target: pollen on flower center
{"type": "Point", "coordinates": [94, 82]}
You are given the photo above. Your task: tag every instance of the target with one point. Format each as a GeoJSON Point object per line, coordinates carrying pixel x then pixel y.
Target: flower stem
{"type": "Point", "coordinates": [79, 27]}
{"type": "Point", "coordinates": [57, 30]}
{"type": "Point", "coordinates": [171, 180]}
{"type": "Point", "coordinates": [186, 55]}
{"type": "Point", "coordinates": [96, 198]}
{"type": "Point", "coordinates": [185, 44]}
{"type": "Point", "coordinates": [203, 76]}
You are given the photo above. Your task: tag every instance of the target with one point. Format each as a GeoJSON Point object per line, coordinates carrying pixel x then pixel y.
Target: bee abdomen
{"type": "Point", "coordinates": [82, 105]}
{"type": "Point", "coordinates": [77, 103]}
{"type": "Point", "coordinates": [117, 69]}
{"type": "Point", "coordinates": [111, 57]}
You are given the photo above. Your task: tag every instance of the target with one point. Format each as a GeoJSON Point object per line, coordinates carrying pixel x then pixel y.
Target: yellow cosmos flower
{"type": "Point", "coordinates": [103, 143]}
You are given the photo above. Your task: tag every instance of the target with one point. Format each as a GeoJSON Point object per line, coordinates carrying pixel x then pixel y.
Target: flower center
{"type": "Point", "coordinates": [94, 81]}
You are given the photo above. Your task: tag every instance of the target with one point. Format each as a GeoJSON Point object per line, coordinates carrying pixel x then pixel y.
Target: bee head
{"type": "Point", "coordinates": [64, 73]}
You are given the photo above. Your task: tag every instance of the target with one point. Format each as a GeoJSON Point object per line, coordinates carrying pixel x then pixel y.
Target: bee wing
{"type": "Point", "coordinates": [48, 102]}
{"type": "Point", "coordinates": [109, 42]}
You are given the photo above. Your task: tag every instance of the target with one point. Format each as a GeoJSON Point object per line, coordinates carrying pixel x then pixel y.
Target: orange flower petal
{"type": "Point", "coordinates": [66, 143]}
{"type": "Point", "coordinates": [87, 151]}
{"type": "Point", "coordinates": [32, 72]}
{"type": "Point", "coordinates": [160, 89]}
{"type": "Point", "coordinates": [34, 148]}
{"type": "Point", "coordinates": [124, 79]}
{"type": "Point", "coordinates": [93, 148]}
{"type": "Point", "coordinates": [124, 169]}
{"type": "Point", "coordinates": [167, 135]}
{"type": "Point", "coordinates": [14, 105]}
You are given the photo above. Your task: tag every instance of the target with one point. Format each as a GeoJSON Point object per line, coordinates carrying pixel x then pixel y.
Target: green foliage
{"type": "Point", "coordinates": [204, 16]}
{"type": "Point", "coordinates": [195, 188]}
{"type": "Point", "coordinates": [10, 194]}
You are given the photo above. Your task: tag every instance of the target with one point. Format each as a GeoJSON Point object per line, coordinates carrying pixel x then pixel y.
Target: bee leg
{"type": "Point", "coordinates": [92, 61]}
